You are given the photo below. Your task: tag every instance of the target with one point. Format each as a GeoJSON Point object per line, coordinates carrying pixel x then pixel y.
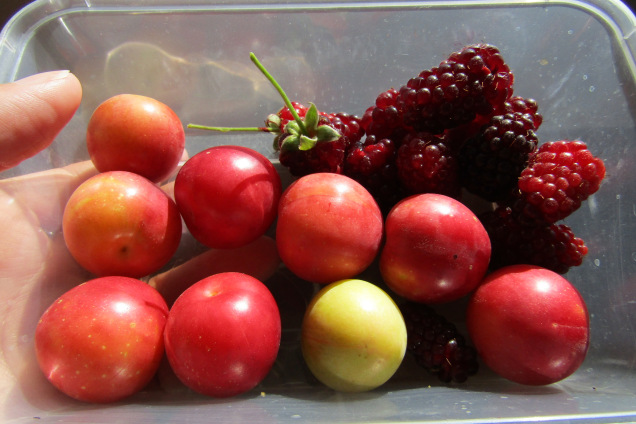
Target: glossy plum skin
{"type": "Point", "coordinates": [134, 133]}
{"type": "Point", "coordinates": [223, 334]}
{"type": "Point", "coordinates": [329, 228]}
{"type": "Point", "coordinates": [102, 341]}
{"type": "Point", "coordinates": [120, 223]}
{"type": "Point", "coordinates": [228, 195]}
{"type": "Point", "coordinates": [529, 325]}
{"type": "Point", "coordinates": [353, 336]}
{"type": "Point", "coordinates": [436, 249]}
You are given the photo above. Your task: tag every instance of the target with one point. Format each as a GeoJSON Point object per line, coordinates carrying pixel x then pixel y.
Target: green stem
{"type": "Point", "coordinates": [280, 90]}
{"type": "Point", "coordinates": [229, 129]}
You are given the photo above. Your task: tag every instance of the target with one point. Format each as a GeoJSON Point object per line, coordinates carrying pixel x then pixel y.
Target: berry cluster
{"type": "Point", "coordinates": [523, 229]}
{"type": "Point", "coordinates": [437, 345]}
{"type": "Point", "coordinates": [453, 128]}
{"type": "Point", "coordinates": [316, 142]}
{"type": "Point", "coordinates": [401, 145]}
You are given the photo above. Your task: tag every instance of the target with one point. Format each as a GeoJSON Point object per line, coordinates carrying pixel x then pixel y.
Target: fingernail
{"type": "Point", "coordinates": [44, 77]}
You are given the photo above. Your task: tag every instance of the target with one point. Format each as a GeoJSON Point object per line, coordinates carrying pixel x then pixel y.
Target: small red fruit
{"type": "Point", "coordinates": [227, 195]}
{"type": "Point", "coordinates": [223, 334]}
{"type": "Point", "coordinates": [436, 250]}
{"type": "Point", "coordinates": [329, 228]}
{"type": "Point", "coordinates": [529, 324]}
{"type": "Point", "coordinates": [120, 223]}
{"type": "Point", "coordinates": [102, 341]}
{"type": "Point", "coordinates": [135, 133]}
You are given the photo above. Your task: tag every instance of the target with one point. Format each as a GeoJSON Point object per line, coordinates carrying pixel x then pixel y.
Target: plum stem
{"type": "Point", "coordinates": [228, 129]}
{"type": "Point", "coordinates": [284, 96]}
{"type": "Point", "coordinates": [280, 90]}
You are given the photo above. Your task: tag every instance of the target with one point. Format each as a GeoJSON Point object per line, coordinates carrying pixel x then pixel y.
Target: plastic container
{"type": "Point", "coordinates": [575, 58]}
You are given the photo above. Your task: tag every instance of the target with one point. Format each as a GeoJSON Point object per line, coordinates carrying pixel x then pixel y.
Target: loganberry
{"type": "Point", "coordinates": [437, 345]}
{"type": "Point", "coordinates": [559, 176]}
{"type": "Point", "coordinates": [371, 162]}
{"type": "Point", "coordinates": [491, 161]}
{"type": "Point", "coordinates": [474, 81]}
{"type": "Point", "coordinates": [516, 241]}
{"type": "Point", "coordinates": [384, 119]}
{"type": "Point", "coordinates": [426, 164]}
{"type": "Point", "coordinates": [517, 104]}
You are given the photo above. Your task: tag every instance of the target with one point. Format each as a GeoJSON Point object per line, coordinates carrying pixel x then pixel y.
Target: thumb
{"type": "Point", "coordinates": [33, 111]}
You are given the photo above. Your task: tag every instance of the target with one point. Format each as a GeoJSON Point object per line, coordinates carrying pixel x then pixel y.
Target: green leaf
{"type": "Point", "coordinates": [311, 120]}
{"type": "Point", "coordinates": [276, 143]}
{"type": "Point", "coordinates": [327, 133]}
{"type": "Point", "coordinates": [291, 142]}
{"type": "Point", "coordinates": [306, 143]}
{"type": "Point", "coordinates": [273, 123]}
{"type": "Point", "coordinates": [293, 128]}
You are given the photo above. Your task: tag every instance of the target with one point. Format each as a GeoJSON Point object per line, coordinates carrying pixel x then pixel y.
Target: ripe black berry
{"type": "Point", "coordinates": [474, 81]}
{"type": "Point", "coordinates": [514, 241]}
{"type": "Point", "coordinates": [437, 345]}
{"type": "Point", "coordinates": [491, 161]}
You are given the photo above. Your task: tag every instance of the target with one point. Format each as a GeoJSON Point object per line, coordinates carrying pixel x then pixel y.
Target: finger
{"type": "Point", "coordinates": [33, 111]}
{"type": "Point", "coordinates": [259, 259]}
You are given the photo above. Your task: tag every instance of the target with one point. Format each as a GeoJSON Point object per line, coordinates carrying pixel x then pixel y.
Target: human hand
{"type": "Point", "coordinates": [35, 265]}
{"type": "Point", "coordinates": [33, 111]}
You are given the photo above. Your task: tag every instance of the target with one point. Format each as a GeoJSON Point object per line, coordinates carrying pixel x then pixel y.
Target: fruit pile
{"type": "Point", "coordinates": [377, 196]}
{"type": "Point", "coordinates": [452, 128]}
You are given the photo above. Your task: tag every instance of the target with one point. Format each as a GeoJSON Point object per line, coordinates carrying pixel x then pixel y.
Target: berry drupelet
{"type": "Point", "coordinates": [371, 162]}
{"type": "Point", "coordinates": [427, 164]}
{"type": "Point", "coordinates": [437, 345]}
{"type": "Point", "coordinates": [474, 81]}
{"type": "Point", "coordinates": [491, 161]}
{"type": "Point", "coordinates": [515, 241]}
{"type": "Point", "coordinates": [559, 176]}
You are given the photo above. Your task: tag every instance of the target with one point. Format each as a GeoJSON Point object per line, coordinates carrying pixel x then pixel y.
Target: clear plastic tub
{"type": "Point", "coordinates": [575, 58]}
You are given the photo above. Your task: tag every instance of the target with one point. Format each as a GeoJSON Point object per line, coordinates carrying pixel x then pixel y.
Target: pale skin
{"type": "Point", "coordinates": [32, 112]}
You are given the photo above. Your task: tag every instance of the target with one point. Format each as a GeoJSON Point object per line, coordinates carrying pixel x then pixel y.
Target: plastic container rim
{"type": "Point", "coordinates": [613, 14]}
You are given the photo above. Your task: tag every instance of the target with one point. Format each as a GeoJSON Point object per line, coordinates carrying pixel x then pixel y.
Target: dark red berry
{"type": "Point", "coordinates": [559, 176]}
{"type": "Point", "coordinates": [525, 106]}
{"type": "Point", "coordinates": [515, 241]}
{"type": "Point", "coordinates": [426, 164]}
{"type": "Point", "coordinates": [528, 107]}
{"type": "Point", "coordinates": [491, 162]}
{"type": "Point", "coordinates": [276, 122]}
{"type": "Point", "coordinates": [371, 162]}
{"type": "Point", "coordinates": [350, 126]}
{"type": "Point", "coordinates": [326, 139]}
{"type": "Point", "coordinates": [437, 345]}
{"type": "Point", "coordinates": [323, 157]}
{"type": "Point", "coordinates": [384, 119]}
{"type": "Point", "coordinates": [474, 81]}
